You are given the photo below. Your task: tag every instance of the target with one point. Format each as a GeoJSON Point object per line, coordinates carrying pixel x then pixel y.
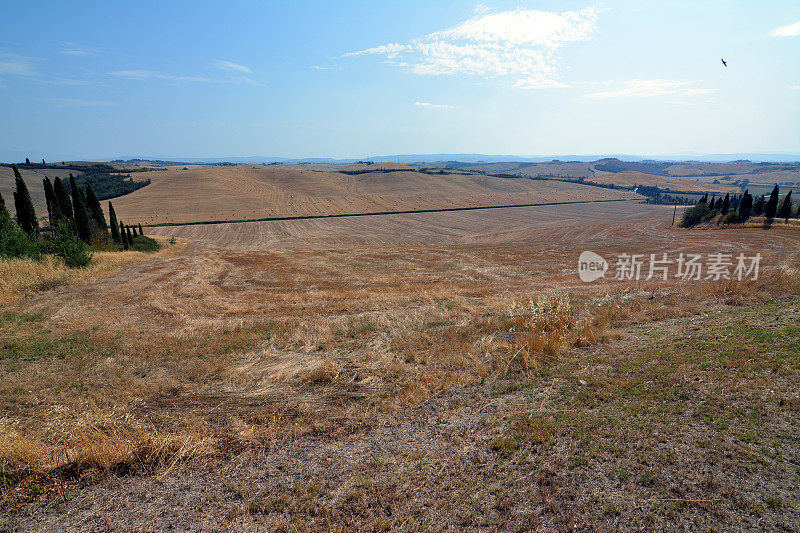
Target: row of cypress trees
{"type": "Point", "coordinates": [79, 212]}
{"type": "Point", "coordinates": [738, 209]}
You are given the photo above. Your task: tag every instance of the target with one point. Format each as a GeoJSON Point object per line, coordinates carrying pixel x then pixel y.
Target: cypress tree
{"type": "Point", "coordinates": [786, 208]}
{"type": "Point", "coordinates": [112, 220]}
{"type": "Point", "coordinates": [134, 230]}
{"type": "Point", "coordinates": [726, 204]}
{"type": "Point", "coordinates": [772, 204]}
{"type": "Point", "coordinates": [746, 206]}
{"type": "Point", "coordinates": [758, 206]}
{"type": "Point", "coordinates": [703, 200]}
{"type": "Point", "coordinates": [95, 209]}
{"type": "Point", "coordinates": [27, 161]}
{"type": "Point", "coordinates": [26, 214]}
{"type": "Point", "coordinates": [62, 197]}
{"type": "Point", "coordinates": [130, 238]}
{"type": "Point", "coordinates": [79, 210]}
{"type": "Point", "coordinates": [123, 236]}
{"type": "Point", "coordinates": [53, 210]}
{"type": "Point", "coordinates": [3, 209]}
{"type": "Point", "coordinates": [140, 229]}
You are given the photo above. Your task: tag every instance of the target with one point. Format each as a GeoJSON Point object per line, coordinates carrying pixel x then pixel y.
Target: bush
{"type": "Point", "coordinates": [695, 215]}
{"type": "Point", "coordinates": [731, 218]}
{"type": "Point", "coordinates": [14, 242]}
{"type": "Point", "coordinates": [143, 243]}
{"type": "Point", "coordinates": [69, 247]}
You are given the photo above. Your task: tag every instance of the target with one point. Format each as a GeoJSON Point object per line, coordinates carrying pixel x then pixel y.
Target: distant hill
{"type": "Point", "coordinates": [11, 156]}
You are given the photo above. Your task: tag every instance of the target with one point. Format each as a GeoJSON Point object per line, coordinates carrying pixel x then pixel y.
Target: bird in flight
{"type": "Point", "coordinates": [723, 62]}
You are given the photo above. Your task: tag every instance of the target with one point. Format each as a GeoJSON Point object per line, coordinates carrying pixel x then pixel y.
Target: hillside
{"type": "Point", "coordinates": [106, 181]}
{"type": "Point", "coordinates": [684, 176]}
{"type": "Point", "coordinates": [630, 178]}
{"type": "Point", "coordinates": [257, 191]}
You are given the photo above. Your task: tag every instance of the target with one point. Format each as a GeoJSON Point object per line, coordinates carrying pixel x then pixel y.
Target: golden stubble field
{"type": "Point", "coordinates": [262, 334]}
{"type": "Point", "coordinates": [258, 191]}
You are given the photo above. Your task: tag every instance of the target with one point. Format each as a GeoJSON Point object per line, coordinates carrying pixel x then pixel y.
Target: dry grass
{"type": "Point", "coordinates": [539, 328]}
{"type": "Point", "coordinates": [20, 278]}
{"type": "Point", "coordinates": [214, 350]}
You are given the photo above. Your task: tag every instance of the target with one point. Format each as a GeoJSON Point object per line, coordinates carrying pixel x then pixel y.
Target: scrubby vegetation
{"type": "Point", "coordinates": [106, 181]}
{"type": "Point", "coordinates": [76, 226]}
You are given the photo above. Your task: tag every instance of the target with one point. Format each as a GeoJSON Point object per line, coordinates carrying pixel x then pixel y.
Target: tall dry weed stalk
{"type": "Point", "coordinates": [538, 329]}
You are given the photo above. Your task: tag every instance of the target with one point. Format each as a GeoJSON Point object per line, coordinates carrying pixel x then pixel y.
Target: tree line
{"type": "Point", "coordinates": [738, 209]}
{"type": "Point", "coordinates": [76, 224]}
{"type": "Point", "coordinates": [108, 182]}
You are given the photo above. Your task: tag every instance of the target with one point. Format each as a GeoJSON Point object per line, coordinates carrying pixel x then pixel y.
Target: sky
{"type": "Point", "coordinates": [102, 80]}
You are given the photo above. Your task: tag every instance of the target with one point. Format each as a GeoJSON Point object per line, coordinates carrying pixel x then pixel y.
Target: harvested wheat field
{"type": "Point", "coordinates": [630, 178]}
{"type": "Point", "coordinates": [258, 191]}
{"type": "Point", "coordinates": [409, 371]}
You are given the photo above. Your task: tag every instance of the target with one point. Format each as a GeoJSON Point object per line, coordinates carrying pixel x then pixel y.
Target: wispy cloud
{"type": "Point", "coordinates": [143, 75]}
{"type": "Point", "coordinates": [77, 102]}
{"type": "Point", "coordinates": [520, 44]}
{"type": "Point", "coordinates": [650, 88]}
{"type": "Point", "coordinates": [428, 105]}
{"type": "Point", "coordinates": [16, 65]}
{"type": "Point", "coordinates": [152, 74]}
{"type": "Point", "coordinates": [72, 49]}
{"type": "Point", "coordinates": [796, 87]}
{"type": "Point", "coordinates": [65, 81]}
{"type": "Point", "coordinates": [790, 30]}
{"type": "Point", "coordinates": [391, 50]}
{"type": "Point", "coordinates": [230, 65]}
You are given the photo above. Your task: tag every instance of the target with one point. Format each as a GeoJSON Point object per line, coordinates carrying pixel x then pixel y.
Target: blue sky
{"type": "Point", "coordinates": [352, 79]}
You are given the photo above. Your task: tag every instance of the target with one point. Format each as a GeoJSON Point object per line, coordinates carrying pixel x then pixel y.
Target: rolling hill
{"type": "Point", "coordinates": [257, 191]}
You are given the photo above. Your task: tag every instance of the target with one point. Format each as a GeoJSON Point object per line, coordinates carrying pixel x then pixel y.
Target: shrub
{"type": "Point", "coordinates": [69, 247]}
{"type": "Point", "coordinates": [143, 243]}
{"type": "Point", "coordinates": [14, 242]}
{"type": "Point", "coordinates": [695, 215]}
{"type": "Point", "coordinates": [731, 218]}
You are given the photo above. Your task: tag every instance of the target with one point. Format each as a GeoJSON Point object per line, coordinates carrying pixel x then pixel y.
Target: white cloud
{"type": "Point", "coordinates": [16, 65]}
{"type": "Point", "coordinates": [72, 49]}
{"type": "Point", "coordinates": [650, 88]}
{"type": "Point", "coordinates": [796, 87]}
{"type": "Point", "coordinates": [790, 30]}
{"type": "Point", "coordinates": [428, 105]}
{"type": "Point", "coordinates": [520, 44]}
{"type": "Point", "coordinates": [230, 65]}
{"type": "Point", "coordinates": [391, 50]}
